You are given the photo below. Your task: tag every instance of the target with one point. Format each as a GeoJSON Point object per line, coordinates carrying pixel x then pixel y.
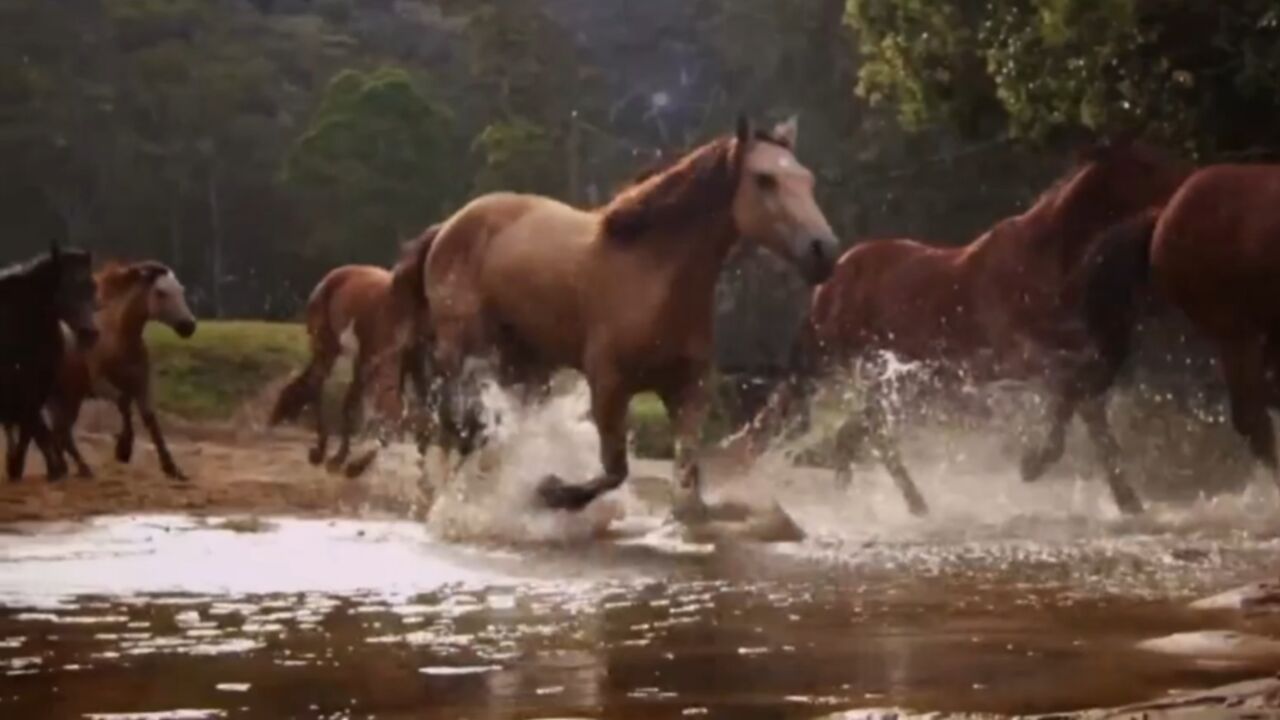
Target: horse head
{"type": "Point", "coordinates": [774, 204]}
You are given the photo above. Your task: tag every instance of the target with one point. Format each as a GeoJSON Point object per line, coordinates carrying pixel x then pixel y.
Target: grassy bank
{"type": "Point", "coordinates": [227, 364]}
{"type": "Point", "coordinates": [223, 366]}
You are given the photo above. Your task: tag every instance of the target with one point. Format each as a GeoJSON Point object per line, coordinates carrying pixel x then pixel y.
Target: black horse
{"type": "Point", "coordinates": [37, 298]}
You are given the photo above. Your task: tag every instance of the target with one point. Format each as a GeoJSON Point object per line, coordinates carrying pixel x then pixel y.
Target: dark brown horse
{"type": "Point", "coordinates": [37, 299]}
{"type": "Point", "coordinates": [1001, 307]}
{"type": "Point", "coordinates": [378, 316]}
{"type": "Point", "coordinates": [118, 367]}
{"type": "Point", "coordinates": [624, 293]}
{"type": "Point", "coordinates": [1212, 252]}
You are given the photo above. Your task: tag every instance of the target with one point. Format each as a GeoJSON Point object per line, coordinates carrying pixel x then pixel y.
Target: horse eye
{"type": "Point", "coordinates": [765, 181]}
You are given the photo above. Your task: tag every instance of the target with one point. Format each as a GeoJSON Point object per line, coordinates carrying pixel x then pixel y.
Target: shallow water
{"type": "Point", "coordinates": [1010, 598]}
{"type": "Point", "coordinates": [304, 618]}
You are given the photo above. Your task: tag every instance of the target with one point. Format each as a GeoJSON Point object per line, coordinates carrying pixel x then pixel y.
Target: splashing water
{"type": "Point", "coordinates": [492, 497]}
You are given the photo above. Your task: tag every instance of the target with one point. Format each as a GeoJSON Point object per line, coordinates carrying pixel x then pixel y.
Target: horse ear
{"type": "Point", "coordinates": [744, 129]}
{"type": "Point", "coordinates": [788, 131]}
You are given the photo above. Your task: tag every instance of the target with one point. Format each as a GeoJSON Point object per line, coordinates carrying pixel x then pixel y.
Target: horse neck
{"type": "Point", "coordinates": [126, 316]}
{"type": "Point", "coordinates": [697, 255]}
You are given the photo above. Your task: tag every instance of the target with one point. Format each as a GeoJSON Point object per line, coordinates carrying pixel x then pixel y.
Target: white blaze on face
{"type": "Point", "coordinates": [169, 301]}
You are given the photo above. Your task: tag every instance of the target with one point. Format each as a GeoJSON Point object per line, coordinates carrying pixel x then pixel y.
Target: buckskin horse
{"type": "Point", "coordinates": [622, 293]}
{"type": "Point", "coordinates": [36, 298]}
{"type": "Point", "coordinates": [1003, 307]}
{"type": "Point", "coordinates": [118, 366]}
{"type": "Point", "coordinates": [1213, 253]}
{"type": "Point", "coordinates": [377, 315]}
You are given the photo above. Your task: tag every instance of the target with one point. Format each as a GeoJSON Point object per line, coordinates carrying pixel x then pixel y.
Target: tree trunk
{"type": "Point", "coordinates": [215, 244]}
{"type": "Point", "coordinates": [175, 226]}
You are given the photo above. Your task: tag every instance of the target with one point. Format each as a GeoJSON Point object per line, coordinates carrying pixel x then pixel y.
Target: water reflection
{"type": "Point", "coordinates": [365, 619]}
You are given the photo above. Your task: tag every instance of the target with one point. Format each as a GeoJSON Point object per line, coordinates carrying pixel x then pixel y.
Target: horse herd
{"type": "Point", "coordinates": [514, 287]}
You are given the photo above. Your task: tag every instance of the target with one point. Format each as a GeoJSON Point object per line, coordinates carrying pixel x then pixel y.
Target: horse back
{"type": "Point", "coordinates": [1216, 246]}
{"type": "Point", "coordinates": [897, 294]}
{"type": "Point", "coordinates": [348, 301]}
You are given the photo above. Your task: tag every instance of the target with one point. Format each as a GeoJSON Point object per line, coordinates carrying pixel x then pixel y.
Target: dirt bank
{"type": "Point", "coordinates": [232, 471]}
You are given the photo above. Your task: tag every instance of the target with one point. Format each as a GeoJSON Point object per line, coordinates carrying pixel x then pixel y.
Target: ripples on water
{"type": "Point", "coordinates": [1011, 598]}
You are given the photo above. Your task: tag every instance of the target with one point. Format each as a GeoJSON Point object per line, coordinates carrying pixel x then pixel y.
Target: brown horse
{"type": "Point", "coordinates": [378, 316]}
{"type": "Point", "coordinates": [623, 293]}
{"type": "Point", "coordinates": [1001, 307]}
{"type": "Point", "coordinates": [118, 367]}
{"type": "Point", "coordinates": [1212, 252]}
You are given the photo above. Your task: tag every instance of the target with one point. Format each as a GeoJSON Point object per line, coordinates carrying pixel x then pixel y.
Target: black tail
{"type": "Point", "coordinates": [1116, 275]}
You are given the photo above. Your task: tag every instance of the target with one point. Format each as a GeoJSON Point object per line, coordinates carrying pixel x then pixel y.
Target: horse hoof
{"type": "Point", "coordinates": [124, 455]}
{"type": "Point", "coordinates": [1128, 502]}
{"type": "Point", "coordinates": [1032, 468]}
{"type": "Point", "coordinates": [559, 495]}
{"type": "Point", "coordinates": [175, 474]}
{"type": "Point", "coordinates": [357, 467]}
{"type": "Point", "coordinates": [315, 456]}
{"type": "Point", "coordinates": [918, 507]}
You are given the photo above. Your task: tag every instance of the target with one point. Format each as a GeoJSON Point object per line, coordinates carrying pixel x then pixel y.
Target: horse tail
{"type": "Point", "coordinates": [1117, 272]}
{"type": "Point", "coordinates": [302, 388]}
{"type": "Point", "coordinates": [408, 287]}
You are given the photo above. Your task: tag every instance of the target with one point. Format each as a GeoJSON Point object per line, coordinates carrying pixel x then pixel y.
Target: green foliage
{"type": "Point", "coordinates": [1200, 75]}
{"type": "Point", "coordinates": [517, 155]}
{"type": "Point", "coordinates": [375, 159]}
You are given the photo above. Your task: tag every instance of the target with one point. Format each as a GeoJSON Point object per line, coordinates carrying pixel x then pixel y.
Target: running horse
{"type": "Point", "coordinates": [377, 315]}
{"type": "Point", "coordinates": [1003, 307]}
{"type": "Point", "coordinates": [118, 366]}
{"type": "Point", "coordinates": [1213, 253]}
{"type": "Point", "coordinates": [622, 293]}
{"type": "Point", "coordinates": [37, 300]}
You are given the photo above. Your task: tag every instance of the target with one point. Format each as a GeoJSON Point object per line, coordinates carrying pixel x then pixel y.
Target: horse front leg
{"type": "Point", "coordinates": [1037, 459]}
{"type": "Point", "coordinates": [55, 465]}
{"type": "Point", "coordinates": [687, 405]}
{"type": "Point", "coordinates": [124, 441]}
{"type": "Point", "coordinates": [149, 421]}
{"type": "Point", "coordinates": [609, 404]}
{"type": "Point", "coordinates": [16, 459]}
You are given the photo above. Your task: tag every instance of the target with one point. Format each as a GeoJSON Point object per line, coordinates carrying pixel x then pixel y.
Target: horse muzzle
{"type": "Point", "coordinates": [185, 328]}
{"type": "Point", "coordinates": [819, 259]}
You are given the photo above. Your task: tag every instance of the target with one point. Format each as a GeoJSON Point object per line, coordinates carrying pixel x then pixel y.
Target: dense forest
{"type": "Point", "coordinates": [254, 144]}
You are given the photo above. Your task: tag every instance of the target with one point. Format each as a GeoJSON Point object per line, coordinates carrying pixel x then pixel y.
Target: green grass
{"type": "Point", "coordinates": [227, 364]}
{"type": "Point", "coordinates": [224, 365]}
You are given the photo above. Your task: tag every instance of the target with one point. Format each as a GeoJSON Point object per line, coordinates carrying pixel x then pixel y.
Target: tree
{"type": "Point", "coordinates": [1203, 76]}
{"type": "Point", "coordinates": [375, 160]}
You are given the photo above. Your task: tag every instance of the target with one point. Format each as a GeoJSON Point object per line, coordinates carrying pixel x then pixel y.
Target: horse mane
{"type": "Point", "coordinates": [115, 277]}
{"type": "Point", "coordinates": [37, 264]}
{"type": "Point", "coordinates": [406, 277]}
{"type": "Point", "coordinates": [683, 189]}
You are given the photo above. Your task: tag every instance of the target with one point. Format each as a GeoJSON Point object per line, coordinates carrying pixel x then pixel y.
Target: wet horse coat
{"type": "Point", "coordinates": [1212, 252]}
{"type": "Point", "coordinates": [1002, 307]}
{"type": "Point", "coordinates": [118, 367]}
{"type": "Point", "coordinates": [623, 293]}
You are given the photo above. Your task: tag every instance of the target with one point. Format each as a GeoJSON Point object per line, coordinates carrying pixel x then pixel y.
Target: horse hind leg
{"type": "Point", "coordinates": [885, 446]}
{"type": "Point", "coordinates": [1094, 415]}
{"type": "Point", "coordinates": [1244, 367]}
{"type": "Point", "coordinates": [350, 406]}
{"type": "Point", "coordinates": [16, 457]}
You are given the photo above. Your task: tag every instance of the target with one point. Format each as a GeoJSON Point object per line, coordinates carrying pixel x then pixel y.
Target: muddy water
{"type": "Point", "coordinates": [310, 618]}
